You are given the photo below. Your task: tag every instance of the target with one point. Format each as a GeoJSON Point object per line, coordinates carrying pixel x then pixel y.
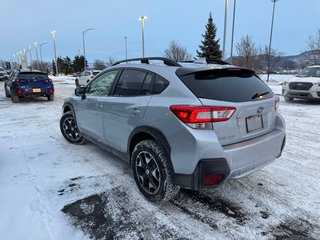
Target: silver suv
{"type": "Point", "coordinates": [305, 85]}
{"type": "Point", "coordinates": [193, 127]}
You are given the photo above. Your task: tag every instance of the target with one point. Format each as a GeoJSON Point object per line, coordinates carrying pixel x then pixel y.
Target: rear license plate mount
{"type": "Point", "coordinates": [36, 90]}
{"type": "Point", "coordinates": [254, 123]}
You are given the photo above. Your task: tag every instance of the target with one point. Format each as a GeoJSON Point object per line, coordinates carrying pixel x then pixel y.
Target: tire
{"type": "Point", "coordinates": [15, 99]}
{"type": "Point", "coordinates": [288, 99]}
{"type": "Point", "coordinates": [50, 97]}
{"type": "Point", "coordinates": [152, 172]}
{"type": "Point", "coordinates": [69, 129]}
{"type": "Point", "coordinates": [6, 91]}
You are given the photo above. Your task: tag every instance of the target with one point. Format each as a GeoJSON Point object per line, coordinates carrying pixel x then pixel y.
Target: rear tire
{"type": "Point", "coordinates": [152, 172]}
{"type": "Point", "coordinates": [50, 97]}
{"type": "Point", "coordinates": [288, 99]}
{"type": "Point", "coordinates": [6, 91]}
{"type": "Point", "coordinates": [15, 99]}
{"type": "Point", "coordinates": [69, 129]}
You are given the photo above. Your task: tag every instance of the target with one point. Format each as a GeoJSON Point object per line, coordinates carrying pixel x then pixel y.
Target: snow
{"type": "Point", "coordinates": [50, 189]}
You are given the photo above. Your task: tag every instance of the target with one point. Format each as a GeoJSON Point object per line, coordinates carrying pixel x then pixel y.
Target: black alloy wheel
{"type": "Point", "coordinates": [69, 129]}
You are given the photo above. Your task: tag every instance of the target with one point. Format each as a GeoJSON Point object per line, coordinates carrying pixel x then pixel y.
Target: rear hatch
{"type": "Point", "coordinates": [253, 100]}
{"type": "Point", "coordinates": [34, 79]}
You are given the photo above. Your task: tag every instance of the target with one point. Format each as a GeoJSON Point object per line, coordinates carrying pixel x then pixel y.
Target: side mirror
{"type": "Point", "coordinates": [80, 92]}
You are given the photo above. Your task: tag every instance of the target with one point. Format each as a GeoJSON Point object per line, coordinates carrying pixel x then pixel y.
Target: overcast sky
{"type": "Point", "coordinates": [24, 22]}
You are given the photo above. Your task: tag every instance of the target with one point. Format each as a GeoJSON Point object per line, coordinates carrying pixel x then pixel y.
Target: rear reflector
{"type": "Point", "coordinates": [202, 114]}
{"type": "Point", "coordinates": [19, 91]}
{"type": "Point", "coordinates": [212, 179]}
{"type": "Point", "coordinates": [51, 90]}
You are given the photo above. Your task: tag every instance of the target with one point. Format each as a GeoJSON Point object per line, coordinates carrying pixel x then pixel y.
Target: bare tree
{"type": "Point", "coordinates": [272, 60]}
{"type": "Point", "coordinates": [247, 53]}
{"type": "Point", "coordinates": [313, 44]}
{"type": "Point", "coordinates": [110, 61]}
{"type": "Point", "coordinates": [177, 53]}
{"type": "Point", "coordinates": [99, 65]}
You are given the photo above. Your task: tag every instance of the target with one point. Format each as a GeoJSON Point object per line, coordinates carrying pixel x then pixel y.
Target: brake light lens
{"type": "Point", "coordinates": [212, 179]}
{"type": "Point", "coordinates": [17, 80]}
{"type": "Point", "coordinates": [202, 116]}
{"type": "Point", "coordinates": [51, 90]}
{"type": "Point", "coordinates": [277, 103]}
{"type": "Point", "coordinates": [19, 91]}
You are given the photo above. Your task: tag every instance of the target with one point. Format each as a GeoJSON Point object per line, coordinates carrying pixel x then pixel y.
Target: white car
{"type": "Point", "coordinates": [86, 76]}
{"type": "Point", "coordinates": [3, 74]}
{"type": "Point", "coordinates": [305, 85]}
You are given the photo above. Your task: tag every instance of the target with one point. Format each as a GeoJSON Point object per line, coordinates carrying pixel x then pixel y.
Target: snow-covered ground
{"type": "Point", "coordinates": [50, 189]}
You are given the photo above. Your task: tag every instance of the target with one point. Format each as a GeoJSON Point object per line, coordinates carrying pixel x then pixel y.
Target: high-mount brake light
{"type": "Point", "coordinates": [202, 116]}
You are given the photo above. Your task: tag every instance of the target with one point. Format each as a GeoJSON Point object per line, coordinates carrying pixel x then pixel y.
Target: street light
{"type": "Point", "coordinates": [30, 53]}
{"type": "Point", "coordinates": [142, 18]}
{"type": "Point", "coordinates": [25, 56]}
{"type": "Point", "coordinates": [35, 45]}
{"type": "Point", "coordinates": [17, 53]}
{"type": "Point", "coordinates": [40, 45]}
{"type": "Point", "coordinates": [274, 6]}
{"type": "Point", "coordinates": [225, 30]}
{"type": "Point", "coordinates": [125, 45]}
{"type": "Point", "coordinates": [232, 36]}
{"type": "Point", "coordinates": [55, 51]}
{"type": "Point", "coordinates": [84, 48]}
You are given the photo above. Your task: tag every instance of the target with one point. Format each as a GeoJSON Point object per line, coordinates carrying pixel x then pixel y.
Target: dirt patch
{"type": "Point", "coordinates": [115, 215]}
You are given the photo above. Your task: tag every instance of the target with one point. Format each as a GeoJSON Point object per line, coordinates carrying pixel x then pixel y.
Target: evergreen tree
{"type": "Point", "coordinates": [210, 48]}
{"type": "Point", "coordinates": [78, 63]}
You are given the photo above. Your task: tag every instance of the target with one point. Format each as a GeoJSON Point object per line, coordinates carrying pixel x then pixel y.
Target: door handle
{"type": "Point", "coordinates": [134, 112]}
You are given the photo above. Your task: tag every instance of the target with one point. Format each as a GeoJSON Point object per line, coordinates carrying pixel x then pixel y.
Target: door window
{"type": "Point", "coordinates": [101, 85]}
{"type": "Point", "coordinates": [130, 83]}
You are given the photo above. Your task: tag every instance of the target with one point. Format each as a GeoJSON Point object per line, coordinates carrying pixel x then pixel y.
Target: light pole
{"type": "Point", "coordinates": [35, 45]}
{"type": "Point", "coordinates": [25, 56]}
{"type": "Point", "coordinates": [30, 53]}
{"type": "Point", "coordinates": [55, 51]}
{"type": "Point", "coordinates": [125, 46]}
{"type": "Point", "coordinates": [225, 30]}
{"type": "Point", "coordinates": [40, 45]}
{"type": "Point", "coordinates": [142, 18]}
{"type": "Point", "coordinates": [232, 36]}
{"type": "Point", "coordinates": [17, 53]}
{"type": "Point", "coordinates": [84, 48]}
{"type": "Point", "coordinates": [269, 53]}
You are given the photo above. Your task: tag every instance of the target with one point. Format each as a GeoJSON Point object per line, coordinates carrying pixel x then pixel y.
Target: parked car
{"type": "Point", "coordinates": [3, 74]}
{"type": "Point", "coordinates": [305, 85]}
{"type": "Point", "coordinates": [193, 127]}
{"type": "Point", "coordinates": [86, 76]}
{"type": "Point", "coordinates": [22, 83]}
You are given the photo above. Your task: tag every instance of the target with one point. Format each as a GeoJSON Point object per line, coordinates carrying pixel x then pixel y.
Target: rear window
{"type": "Point", "coordinates": [232, 85]}
{"type": "Point", "coordinates": [33, 75]}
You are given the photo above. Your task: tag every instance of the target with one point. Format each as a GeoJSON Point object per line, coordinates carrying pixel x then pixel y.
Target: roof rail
{"type": "Point", "coordinates": [146, 60]}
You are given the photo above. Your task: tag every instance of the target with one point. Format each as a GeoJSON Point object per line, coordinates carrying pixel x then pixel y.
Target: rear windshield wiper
{"type": "Point", "coordinates": [259, 94]}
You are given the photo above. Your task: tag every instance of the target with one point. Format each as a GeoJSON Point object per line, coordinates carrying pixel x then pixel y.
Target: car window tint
{"type": "Point", "coordinates": [232, 85]}
{"type": "Point", "coordinates": [130, 83]}
{"type": "Point", "coordinates": [32, 75]}
{"type": "Point", "coordinates": [160, 84]}
{"type": "Point", "coordinates": [102, 84]}
{"type": "Point", "coordinates": [147, 85]}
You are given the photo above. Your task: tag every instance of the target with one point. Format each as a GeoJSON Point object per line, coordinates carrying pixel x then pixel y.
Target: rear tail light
{"type": "Point", "coordinates": [277, 103]}
{"type": "Point", "coordinates": [202, 116]}
{"type": "Point", "coordinates": [19, 91]}
{"type": "Point", "coordinates": [51, 90]}
{"type": "Point", "coordinates": [17, 80]}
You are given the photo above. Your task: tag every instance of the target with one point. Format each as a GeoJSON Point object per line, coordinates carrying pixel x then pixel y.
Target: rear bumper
{"type": "Point", "coordinates": [239, 159]}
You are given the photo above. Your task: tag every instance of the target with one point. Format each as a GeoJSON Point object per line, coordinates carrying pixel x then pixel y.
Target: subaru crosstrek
{"type": "Point", "coordinates": [192, 126]}
{"type": "Point", "coordinates": [22, 83]}
{"type": "Point", "coordinates": [306, 85]}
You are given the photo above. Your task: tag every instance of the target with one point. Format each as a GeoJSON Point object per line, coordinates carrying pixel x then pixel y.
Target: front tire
{"type": "Point", "coordinates": [69, 129]}
{"type": "Point", "coordinates": [152, 171]}
{"type": "Point", "coordinates": [288, 99]}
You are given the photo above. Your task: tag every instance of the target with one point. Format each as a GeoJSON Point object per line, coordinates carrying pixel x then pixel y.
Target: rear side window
{"type": "Point", "coordinates": [29, 76]}
{"type": "Point", "coordinates": [160, 84]}
{"type": "Point", "coordinates": [130, 83]}
{"type": "Point", "coordinates": [232, 85]}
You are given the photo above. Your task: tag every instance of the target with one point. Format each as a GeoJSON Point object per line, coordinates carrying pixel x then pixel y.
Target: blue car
{"type": "Point", "coordinates": [22, 83]}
